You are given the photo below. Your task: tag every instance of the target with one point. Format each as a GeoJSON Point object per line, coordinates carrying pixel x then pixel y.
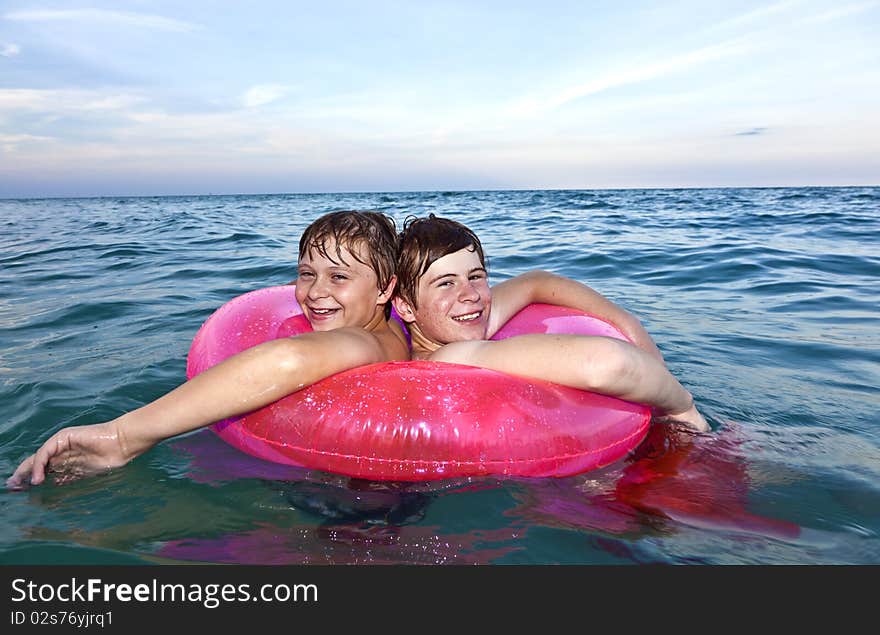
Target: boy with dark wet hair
{"type": "Point", "coordinates": [444, 297]}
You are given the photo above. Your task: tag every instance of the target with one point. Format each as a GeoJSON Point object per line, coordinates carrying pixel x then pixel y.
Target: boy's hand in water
{"type": "Point", "coordinates": [690, 418]}
{"type": "Point", "coordinates": [73, 453]}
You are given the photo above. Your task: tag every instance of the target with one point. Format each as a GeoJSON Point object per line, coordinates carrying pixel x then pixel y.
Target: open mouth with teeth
{"type": "Point", "coordinates": [468, 317]}
{"type": "Point", "coordinates": [322, 312]}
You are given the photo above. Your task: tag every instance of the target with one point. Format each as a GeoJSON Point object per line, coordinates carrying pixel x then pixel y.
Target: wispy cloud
{"type": "Point", "coordinates": [9, 49]}
{"type": "Point", "coordinates": [9, 143]}
{"type": "Point", "coordinates": [842, 12]}
{"type": "Point", "coordinates": [142, 20]}
{"type": "Point", "coordinates": [121, 123]}
{"type": "Point", "coordinates": [536, 105]}
{"type": "Point", "coordinates": [263, 94]}
{"type": "Point", "coordinates": [756, 15]}
{"type": "Point", "coordinates": [56, 102]}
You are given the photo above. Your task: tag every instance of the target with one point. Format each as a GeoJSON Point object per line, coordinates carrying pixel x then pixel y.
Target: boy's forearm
{"type": "Point", "coordinates": [599, 364]}
{"type": "Point", "coordinates": [243, 383]}
{"type": "Point", "coordinates": [619, 369]}
{"type": "Point", "coordinates": [246, 382]}
{"type": "Point", "coordinates": [637, 376]}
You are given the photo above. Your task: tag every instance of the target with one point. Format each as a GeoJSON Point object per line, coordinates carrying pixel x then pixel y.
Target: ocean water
{"type": "Point", "coordinates": [765, 303]}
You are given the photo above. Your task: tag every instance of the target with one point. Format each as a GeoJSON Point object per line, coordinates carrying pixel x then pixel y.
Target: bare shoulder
{"type": "Point", "coordinates": [366, 347]}
{"type": "Point", "coordinates": [347, 346]}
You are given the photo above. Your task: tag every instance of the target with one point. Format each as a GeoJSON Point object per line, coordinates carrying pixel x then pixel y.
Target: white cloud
{"type": "Point", "coordinates": [113, 102]}
{"type": "Point", "coordinates": [263, 94]}
{"type": "Point", "coordinates": [19, 138]}
{"type": "Point", "coordinates": [9, 143]}
{"type": "Point", "coordinates": [100, 15]}
{"type": "Point", "coordinates": [54, 103]}
{"type": "Point", "coordinates": [761, 13]}
{"type": "Point", "coordinates": [18, 100]}
{"type": "Point", "coordinates": [9, 49]}
{"type": "Point", "coordinates": [13, 99]}
{"type": "Point", "coordinates": [842, 12]}
{"type": "Point", "coordinates": [531, 106]}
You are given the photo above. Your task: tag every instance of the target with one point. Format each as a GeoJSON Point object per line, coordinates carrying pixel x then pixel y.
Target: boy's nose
{"type": "Point", "coordinates": [318, 289]}
{"type": "Point", "coordinates": [469, 293]}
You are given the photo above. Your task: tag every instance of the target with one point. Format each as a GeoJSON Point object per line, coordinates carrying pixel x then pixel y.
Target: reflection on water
{"type": "Point", "coordinates": [675, 480]}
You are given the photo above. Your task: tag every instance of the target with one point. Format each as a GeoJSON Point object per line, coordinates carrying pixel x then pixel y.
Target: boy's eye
{"type": "Point", "coordinates": [339, 276]}
{"type": "Point", "coordinates": [305, 274]}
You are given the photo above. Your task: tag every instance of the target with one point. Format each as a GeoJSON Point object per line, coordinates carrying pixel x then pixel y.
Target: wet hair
{"type": "Point", "coordinates": [370, 238]}
{"type": "Point", "coordinates": [424, 241]}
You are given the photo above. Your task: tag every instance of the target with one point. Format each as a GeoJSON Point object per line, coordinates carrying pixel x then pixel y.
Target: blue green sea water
{"type": "Point", "coordinates": [765, 303]}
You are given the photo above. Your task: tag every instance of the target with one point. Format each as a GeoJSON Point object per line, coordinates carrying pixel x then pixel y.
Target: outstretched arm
{"type": "Point", "coordinates": [512, 295]}
{"type": "Point", "coordinates": [598, 364]}
{"type": "Point", "coordinates": [243, 383]}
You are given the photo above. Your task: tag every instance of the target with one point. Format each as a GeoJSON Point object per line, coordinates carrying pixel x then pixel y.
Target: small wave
{"type": "Point", "coordinates": [25, 257]}
{"type": "Point", "coordinates": [823, 303]}
{"type": "Point", "coordinates": [783, 288]}
{"type": "Point", "coordinates": [129, 251]}
{"type": "Point", "coordinates": [235, 237]}
{"type": "Point", "coordinates": [838, 264]}
{"type": "Point", "coordinates": [79, 314]}
{"type": "Point", "coordinates": [797, 352]}
{"type": "Point", "coordinates": [866, 196]}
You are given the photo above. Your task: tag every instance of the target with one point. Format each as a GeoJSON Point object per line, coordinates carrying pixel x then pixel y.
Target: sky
{"type": "Point", "coordinates": [207, 97]}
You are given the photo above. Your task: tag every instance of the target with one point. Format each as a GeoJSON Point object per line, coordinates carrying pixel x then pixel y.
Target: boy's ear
{"type": "Point", "coordinates": [387, 292]}
{"type": "Point", "coordinates": [404, 310]}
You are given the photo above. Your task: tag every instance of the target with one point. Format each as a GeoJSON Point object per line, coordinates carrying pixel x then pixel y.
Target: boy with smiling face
{"type": "Point", "coordinates": [345, 280]}
{"type": "Point", "coordinates": [444, 297]}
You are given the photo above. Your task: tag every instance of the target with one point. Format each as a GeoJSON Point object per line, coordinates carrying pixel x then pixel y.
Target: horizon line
{"type": "Point", "coordinates": [439, 191]}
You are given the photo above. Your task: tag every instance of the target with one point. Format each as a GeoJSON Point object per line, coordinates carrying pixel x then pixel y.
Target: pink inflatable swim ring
{"type": "Point", "coordinates": [419, 421]}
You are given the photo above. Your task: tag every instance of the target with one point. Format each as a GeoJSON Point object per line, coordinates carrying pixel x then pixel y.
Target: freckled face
{"type": "Point", "coordinates": [454, 299]}
{"type": "Point", "coordinates": [337, 293]}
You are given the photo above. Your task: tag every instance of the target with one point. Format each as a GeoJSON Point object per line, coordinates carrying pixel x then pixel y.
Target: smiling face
{"type": "Point", "coordinates": [337, 292]}
{"type": "Point", "coordinates": [453, 299]}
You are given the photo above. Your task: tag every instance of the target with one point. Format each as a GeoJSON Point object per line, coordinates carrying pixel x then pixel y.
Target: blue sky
{"type": "Point", "coordinates": [145, 98]}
